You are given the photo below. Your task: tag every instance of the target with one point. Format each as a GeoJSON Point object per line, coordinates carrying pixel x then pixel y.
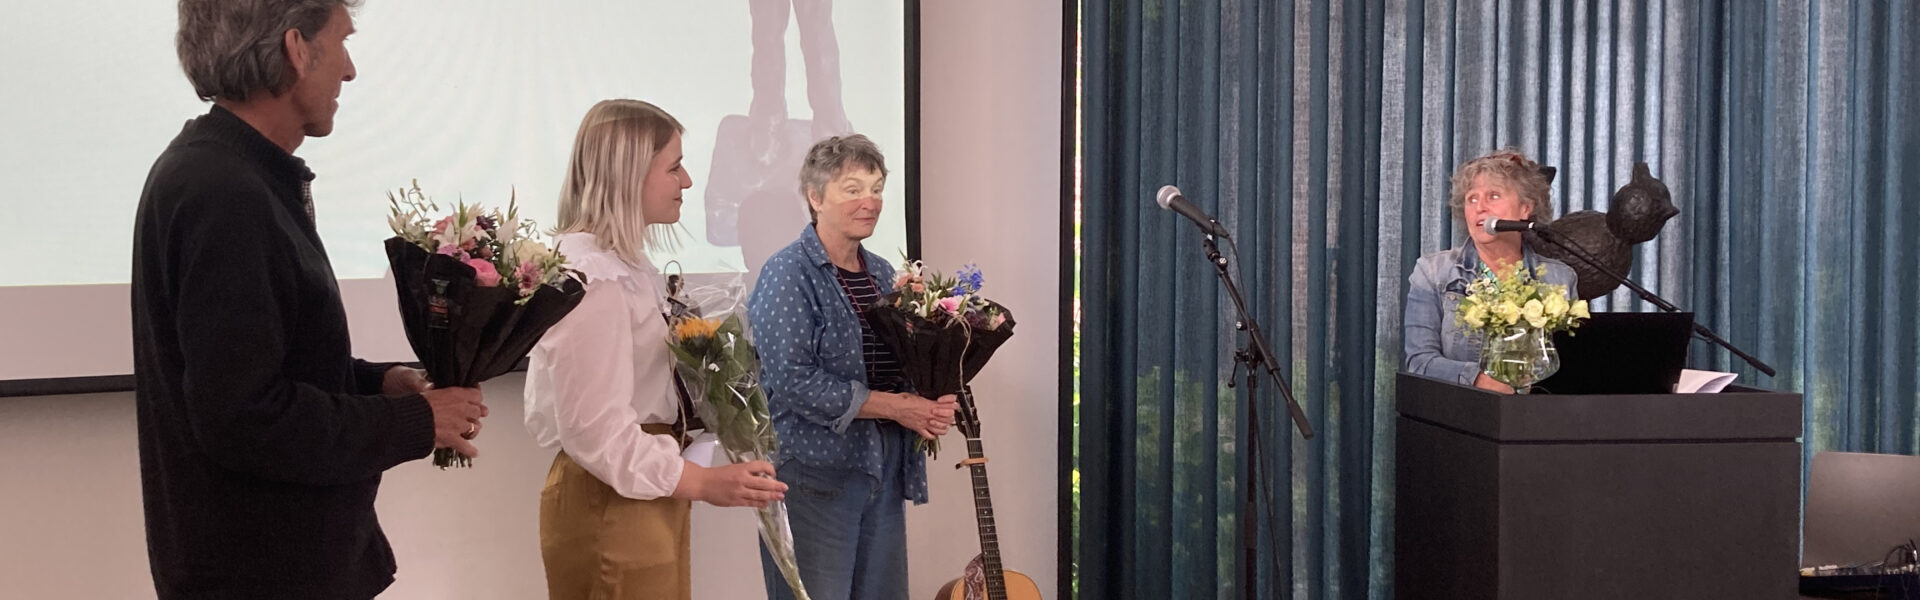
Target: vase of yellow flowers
{"type": "Point", "coordinates": [1516, 315]}
{"type": "Point", "coordinates": [1520, 358]}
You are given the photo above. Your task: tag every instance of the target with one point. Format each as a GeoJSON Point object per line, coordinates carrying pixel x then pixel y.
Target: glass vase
{"type": "Point", "coordinates": [1519, 358]}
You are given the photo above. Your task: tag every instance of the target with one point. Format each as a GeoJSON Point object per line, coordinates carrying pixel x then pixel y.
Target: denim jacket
{"type": "Point", "coordinates": [813, 368]}
{"type": "Point", "coordinates": [1436, 346]}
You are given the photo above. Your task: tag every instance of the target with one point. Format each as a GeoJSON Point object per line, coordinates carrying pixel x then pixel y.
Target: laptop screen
{"type": "Point", "coordinates": [1621, 353]}
{"type": "Point", "coordinates": [1859, 507]}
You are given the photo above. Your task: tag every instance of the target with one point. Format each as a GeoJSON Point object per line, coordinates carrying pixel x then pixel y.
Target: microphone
{"type": "Point", "coordinates": [1499, 225]}
{"type": "Point", "coordinates": [1170, 199]}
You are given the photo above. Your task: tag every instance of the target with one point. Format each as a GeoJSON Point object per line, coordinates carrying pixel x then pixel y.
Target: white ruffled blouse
{"type": "Point", "coordinates": [605, 369]}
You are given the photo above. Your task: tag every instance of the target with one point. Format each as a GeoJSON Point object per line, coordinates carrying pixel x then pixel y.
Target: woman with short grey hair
{"type": "Point", "coordinates": [1503, 185]}
{"type": "Point", "coordinates": [841, 405]}
{"type": "Point", "coordinates": [829, 158]}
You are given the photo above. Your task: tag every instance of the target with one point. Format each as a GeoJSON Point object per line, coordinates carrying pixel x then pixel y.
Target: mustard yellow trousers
{"type": "Point", "coordinates": [599, 545]}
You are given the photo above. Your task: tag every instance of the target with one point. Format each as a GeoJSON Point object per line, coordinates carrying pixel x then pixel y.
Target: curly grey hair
{"type": "Point", "coordinates": [231, 49]}
{"type": "Point", "coordinates": [832, 157]}
{"type": "Point", "coordinates": [1528, 179]}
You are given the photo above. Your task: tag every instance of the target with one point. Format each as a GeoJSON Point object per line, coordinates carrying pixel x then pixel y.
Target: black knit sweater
{"type": "Point", "coordinates": [262, 439]}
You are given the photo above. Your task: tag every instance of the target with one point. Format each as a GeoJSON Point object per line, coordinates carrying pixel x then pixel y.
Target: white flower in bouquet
{"type": "Point", "coordinates": [1474, 314]}
{"type": "Point", "coordinates": [526, 249]}
{"type": "Point", "coordinates": [1535, 313]}
{"type": "Point", "coordinates": [1556, 306]}
{"type": "Point", "coordinates": [1508, 313]}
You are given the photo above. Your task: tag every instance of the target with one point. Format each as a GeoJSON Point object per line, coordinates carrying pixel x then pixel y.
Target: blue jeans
{"type": "Point", "coordinates": [849, 531]}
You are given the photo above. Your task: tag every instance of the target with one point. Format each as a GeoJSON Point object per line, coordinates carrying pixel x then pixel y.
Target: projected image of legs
{"type": "Point", "coordinates": [752, 198]}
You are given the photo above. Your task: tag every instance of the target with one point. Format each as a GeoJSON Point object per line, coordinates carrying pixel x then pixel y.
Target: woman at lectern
{"type": "Point", "coordinates": [1504, 185]}
{"type": "Point", "coordinates": [840, 402]}
{"type": "Point", "coordinates": [615, 510]}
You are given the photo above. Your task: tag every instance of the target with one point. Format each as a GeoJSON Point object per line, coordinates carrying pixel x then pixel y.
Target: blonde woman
{"type": "Point", "coordinates": [600, 391]}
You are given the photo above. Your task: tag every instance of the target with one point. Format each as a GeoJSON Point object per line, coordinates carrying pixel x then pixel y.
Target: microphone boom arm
{"type": "Point", "coordinates": [1650, 297]}
{"type": "Point", "coordinates": [1258, 354]}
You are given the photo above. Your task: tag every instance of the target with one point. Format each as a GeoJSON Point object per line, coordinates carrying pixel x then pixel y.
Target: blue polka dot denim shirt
{"type": "Point", "coordinates": [813, 370]}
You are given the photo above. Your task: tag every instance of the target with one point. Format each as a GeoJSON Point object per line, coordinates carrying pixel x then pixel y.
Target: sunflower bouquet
{"type": "Point", "coordinates": [721, 372]}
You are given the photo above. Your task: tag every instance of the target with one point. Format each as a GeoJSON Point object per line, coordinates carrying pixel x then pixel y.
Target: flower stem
{"type": "Point", "coordinates": [447, 457]}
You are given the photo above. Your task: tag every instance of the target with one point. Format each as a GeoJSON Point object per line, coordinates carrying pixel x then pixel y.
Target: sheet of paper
{"type": "Point", "coordinates": [1702, 382]}
{"type": "Point", "coordinates": [704, 451]}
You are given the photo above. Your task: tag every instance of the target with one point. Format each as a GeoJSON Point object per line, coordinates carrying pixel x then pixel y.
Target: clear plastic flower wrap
{"type": "Point", "coordinates": [721, 372]}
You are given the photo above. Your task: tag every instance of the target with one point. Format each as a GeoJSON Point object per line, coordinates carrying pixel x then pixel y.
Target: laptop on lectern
{"type": "Point", "coordinates": [1621, 353]}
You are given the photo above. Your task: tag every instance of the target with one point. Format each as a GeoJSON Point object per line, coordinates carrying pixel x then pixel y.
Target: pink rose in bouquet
{"type": "Point", "coordinates": [484, 275]}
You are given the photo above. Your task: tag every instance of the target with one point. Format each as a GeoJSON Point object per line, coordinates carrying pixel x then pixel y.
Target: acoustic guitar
{"type": "Point", "coordinates": [984, 578]}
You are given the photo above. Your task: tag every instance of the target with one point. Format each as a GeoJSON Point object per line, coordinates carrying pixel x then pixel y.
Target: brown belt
{"type": "Point", "coordinates": [668, 429]}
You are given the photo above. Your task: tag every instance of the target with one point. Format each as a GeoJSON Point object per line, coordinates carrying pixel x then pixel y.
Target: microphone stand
{"type": "Point", "coordinates": [1255, 357]}
{"type": "Point", "coordinates": [1701, 330]}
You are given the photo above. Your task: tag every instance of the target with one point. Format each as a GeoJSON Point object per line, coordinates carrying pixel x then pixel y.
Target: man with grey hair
{"type": "Point", "coordinates": [262, 440]}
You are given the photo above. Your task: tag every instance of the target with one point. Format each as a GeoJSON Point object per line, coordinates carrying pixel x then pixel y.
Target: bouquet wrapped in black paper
{"type": "Point", "coordinates": [476, 288]}
{"type": "Point", "coordinates": [941, 329]}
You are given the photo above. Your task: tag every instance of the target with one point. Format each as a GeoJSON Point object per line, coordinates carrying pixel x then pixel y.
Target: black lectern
{"type": "Point", "coordinates": [1595, 496]}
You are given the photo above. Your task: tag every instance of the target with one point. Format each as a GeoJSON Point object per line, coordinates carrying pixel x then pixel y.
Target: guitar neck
{"type": "Point", "coordinates": [983, 513]}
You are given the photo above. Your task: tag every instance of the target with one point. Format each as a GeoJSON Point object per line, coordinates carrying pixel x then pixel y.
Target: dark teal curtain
{"type": "Point", "coordinates": [1323, 133]}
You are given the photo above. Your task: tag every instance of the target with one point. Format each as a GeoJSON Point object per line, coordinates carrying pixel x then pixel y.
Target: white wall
{"type": "Point", "coordinates": [71, 526]}
{"type": "Point", "coordinates": [70, 521]}
{"type": "Point", "coordinates": [990, 139]}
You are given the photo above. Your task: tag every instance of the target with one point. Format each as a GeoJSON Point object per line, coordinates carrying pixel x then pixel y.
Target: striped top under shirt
{"type": "Point", "coordinates": [883, 368]}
